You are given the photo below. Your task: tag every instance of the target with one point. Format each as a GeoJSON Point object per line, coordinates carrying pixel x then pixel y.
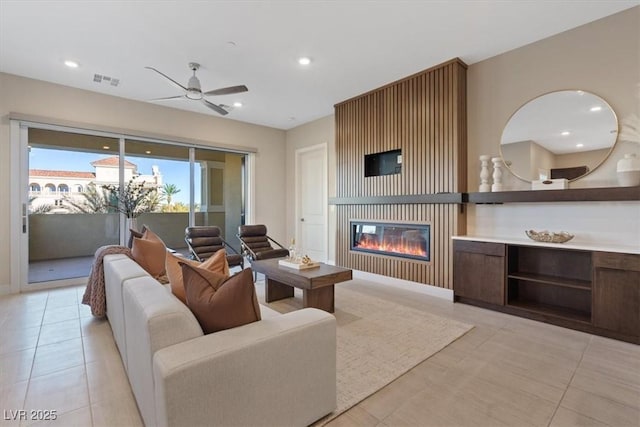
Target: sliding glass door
{"type": "Point", "coordinates": [73, 180]}
{"type": "Point", "coordinates": [163, 171]}
{"type": "Point", "coordinates": [68, 218]}
{"type": "Point", "coordinates": [220, 192]}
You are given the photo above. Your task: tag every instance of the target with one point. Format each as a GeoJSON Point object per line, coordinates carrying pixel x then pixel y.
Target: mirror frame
{"type": "Point", "coordinates": [604, 159]}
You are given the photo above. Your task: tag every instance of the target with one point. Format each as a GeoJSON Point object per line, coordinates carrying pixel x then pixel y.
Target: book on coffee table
{"type": "Point", "coordinates": [297, 265]}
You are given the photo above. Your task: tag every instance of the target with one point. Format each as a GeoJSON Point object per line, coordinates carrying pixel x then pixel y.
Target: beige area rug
{"type": "Point", "coordinates": [378, 341]}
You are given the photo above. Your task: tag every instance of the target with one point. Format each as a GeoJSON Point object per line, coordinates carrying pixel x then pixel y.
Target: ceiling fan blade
{"type": "Point", "coordinates": [227, 90]}
{"type": "Point", "coordinates": [166, 98]}
{"type": "Point", "coordinates": [215, 107]}
{"type": "Point", "coordinates": [168, 78]}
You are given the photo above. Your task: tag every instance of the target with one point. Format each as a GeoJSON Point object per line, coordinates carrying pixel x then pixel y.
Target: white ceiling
{"type": "Point", "coordinates": [355, 46]}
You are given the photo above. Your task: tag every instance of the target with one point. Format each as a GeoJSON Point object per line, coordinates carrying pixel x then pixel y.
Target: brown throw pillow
{"type": "Point", "coordinates": [150, 252]}
{"type": "Point", "coordinates": [218, 302]}
{"type": "Point", "coordinates": [217, 264]}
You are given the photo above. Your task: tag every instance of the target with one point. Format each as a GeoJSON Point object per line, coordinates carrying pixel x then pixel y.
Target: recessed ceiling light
{"type": "Point", "coordinates": [71, 64]}
{"type": "Point", "coordinates": [596, 108]}
{"type": "Point", "coordinates": [304, 60]}
{"type": "Point", "coordinates": [237, 104]}
{"type": "Point", "coordinates": [105, 147]}
{"type": "Point", "coordinates": [579, 145]}
{"type": "Point", "coordinates": [148, 152]}
{"type": "Point", "coordinates": [565, 133]}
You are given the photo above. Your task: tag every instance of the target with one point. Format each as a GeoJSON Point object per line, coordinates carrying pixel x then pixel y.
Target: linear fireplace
{"type": "Point", "coordinates": [393, 239]}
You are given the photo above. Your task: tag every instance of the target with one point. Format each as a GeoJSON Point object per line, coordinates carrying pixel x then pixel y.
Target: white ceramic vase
{"type": "Point", "coordinates": [484, 174]}
{"type": "Point", "coordinates": [629, 171]}
{"type": "Point", "coordinates": [497, 174]}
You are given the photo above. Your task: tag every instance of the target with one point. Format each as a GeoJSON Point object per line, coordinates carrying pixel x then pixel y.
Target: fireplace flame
{"type": "Point", "coordinates": [407, 247]}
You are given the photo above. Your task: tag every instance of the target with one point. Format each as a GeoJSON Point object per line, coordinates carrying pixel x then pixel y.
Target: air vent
{"type": "Point", "coordinates": [99, 78]}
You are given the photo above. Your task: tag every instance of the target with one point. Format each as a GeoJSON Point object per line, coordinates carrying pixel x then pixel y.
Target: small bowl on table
{"type": "Point", "coordinates": [549, 236]}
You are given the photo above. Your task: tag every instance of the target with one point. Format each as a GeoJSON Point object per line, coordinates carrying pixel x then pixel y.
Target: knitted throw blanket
{"type": "Point", "coordinates": [94, 294]}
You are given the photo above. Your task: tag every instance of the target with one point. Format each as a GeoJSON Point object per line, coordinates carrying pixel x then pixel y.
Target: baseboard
{"type": "Point", "coordinates": [55, 284]}
{"type": "Point", "coordinates": [422, 288]}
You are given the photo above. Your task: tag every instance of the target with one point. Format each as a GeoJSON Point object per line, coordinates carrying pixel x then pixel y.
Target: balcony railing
{"type": "Point", "coordinates": [55, 236]}
{"type": "Point", "coordinates": [52, 193]}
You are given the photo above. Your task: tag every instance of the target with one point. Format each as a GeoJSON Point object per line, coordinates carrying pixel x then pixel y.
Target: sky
{"type": "Point", "coordinates": [173, 172]}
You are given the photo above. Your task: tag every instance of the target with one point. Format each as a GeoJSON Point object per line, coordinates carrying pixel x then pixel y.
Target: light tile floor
{"type": "Point", "coordinates": [506, 371]}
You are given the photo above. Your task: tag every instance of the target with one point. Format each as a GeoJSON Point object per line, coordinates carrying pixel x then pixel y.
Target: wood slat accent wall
{"type": "Point", "coordinates": [424, 115]}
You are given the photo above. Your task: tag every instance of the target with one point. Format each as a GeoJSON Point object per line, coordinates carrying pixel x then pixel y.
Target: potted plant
{"type": "Point", "coordinates": [133, 200]}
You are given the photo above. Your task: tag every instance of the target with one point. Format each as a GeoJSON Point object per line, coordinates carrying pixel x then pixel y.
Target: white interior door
{"type": "Point", "coordinates": [311, 201]}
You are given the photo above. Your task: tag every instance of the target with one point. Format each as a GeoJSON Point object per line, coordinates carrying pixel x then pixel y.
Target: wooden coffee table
{"type": "Point", "coordinates": [317, 284]}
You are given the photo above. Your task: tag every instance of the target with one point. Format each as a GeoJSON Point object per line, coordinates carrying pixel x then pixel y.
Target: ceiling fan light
{"type": "Point", "coordinates": [194, 83]}
{"type": "Point", "coordinates": [193, 94]}
{"type": "Point", "coordinates": [237, 104]}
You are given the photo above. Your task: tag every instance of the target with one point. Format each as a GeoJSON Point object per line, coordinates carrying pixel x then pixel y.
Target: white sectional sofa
{"type": "Point", "coordinates": [279, 371]}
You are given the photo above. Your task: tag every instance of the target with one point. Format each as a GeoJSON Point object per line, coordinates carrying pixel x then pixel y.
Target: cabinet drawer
{"type": "Point", "coordinates": [484, 248]}
{"type": "Point", "coordinates": [616, 261]}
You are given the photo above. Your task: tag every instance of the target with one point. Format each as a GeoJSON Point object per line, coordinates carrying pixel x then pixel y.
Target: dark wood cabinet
{"type": "Point", "coordinates": [616, 293]}
{"type": "Point", "coordinates": [591, 291]}
{"type": "Point", "coordinates": [478, 271]}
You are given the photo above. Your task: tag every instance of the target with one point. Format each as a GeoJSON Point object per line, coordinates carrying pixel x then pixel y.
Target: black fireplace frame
{"type": "Point", "coordinates": [425, 227]}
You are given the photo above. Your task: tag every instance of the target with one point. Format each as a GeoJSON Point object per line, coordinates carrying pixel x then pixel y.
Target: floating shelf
{"type": "Point", "coordinates": [431, 198]}
{"type": "Point", "coordinates": [603, 194]}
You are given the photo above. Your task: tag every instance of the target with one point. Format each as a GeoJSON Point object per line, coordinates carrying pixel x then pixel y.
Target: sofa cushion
{"type": "Point", "coordinates": [150, 251]}
{"type": "Point", "coordinates": [118, 269]}
{"type": "Point", "coordinates": [217, 264]}
{"type": "Point", "coordinates": [268, 312]}
{"type": "Point", "coordinates": [154, 319]}
{"type": "Point", "coordinates": [219, 302]}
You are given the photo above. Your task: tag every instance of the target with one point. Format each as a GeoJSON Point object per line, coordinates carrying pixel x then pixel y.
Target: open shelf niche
{"type": "Point", "coordinates": [550, 281]}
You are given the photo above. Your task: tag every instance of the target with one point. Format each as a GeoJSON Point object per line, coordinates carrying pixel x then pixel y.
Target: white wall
{"type": "Point", "coordinates": [317, 132]}
{"type": "Point", "coordinates": [34, 97]}
{"type": "Point", "coordinates": [605, 223]}
{"type": "Point", "coordinates": [602, 57]}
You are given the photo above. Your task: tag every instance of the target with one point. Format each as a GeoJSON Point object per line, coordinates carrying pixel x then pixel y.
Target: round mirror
{"type": "Point", "coordinates": [564, 134]}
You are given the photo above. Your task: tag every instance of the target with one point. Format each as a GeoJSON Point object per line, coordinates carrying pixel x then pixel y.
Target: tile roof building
{"type": "Point", "coordinates": [50, 187]}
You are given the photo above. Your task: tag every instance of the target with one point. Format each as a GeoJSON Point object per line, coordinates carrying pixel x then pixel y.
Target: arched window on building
{"type": "Point", "coordinates": [49, 189]}
{"type": "Point", "coordinates": [63, 188]}
{"type": "Point", "coordinates": [78, 188]}
{"type": "Point", "coordinates": [34, 188]}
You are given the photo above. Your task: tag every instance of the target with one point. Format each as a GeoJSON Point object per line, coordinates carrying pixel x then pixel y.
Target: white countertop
{"type": "Point", "coordinates": [569, 245]}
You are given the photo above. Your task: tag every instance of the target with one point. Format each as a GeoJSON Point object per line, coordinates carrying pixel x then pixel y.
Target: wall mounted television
{"type": "Point", "coordinates": [385, 163]}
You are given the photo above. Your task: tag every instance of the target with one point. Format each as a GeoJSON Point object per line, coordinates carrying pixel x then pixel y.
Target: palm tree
{"type": "Point", "coordinates": [169, 191]}
{"type": "Point", "coordinates": [95, 200]}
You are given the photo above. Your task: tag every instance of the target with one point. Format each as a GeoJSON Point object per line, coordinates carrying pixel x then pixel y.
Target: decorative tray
{"type": "Point", "coordinates": [549, 236]}
{"type": "Point", "coordinates": [298, 265]}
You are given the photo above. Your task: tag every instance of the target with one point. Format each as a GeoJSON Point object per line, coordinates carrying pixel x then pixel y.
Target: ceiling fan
{"type": "Point", "coordinates": [194, 92]}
